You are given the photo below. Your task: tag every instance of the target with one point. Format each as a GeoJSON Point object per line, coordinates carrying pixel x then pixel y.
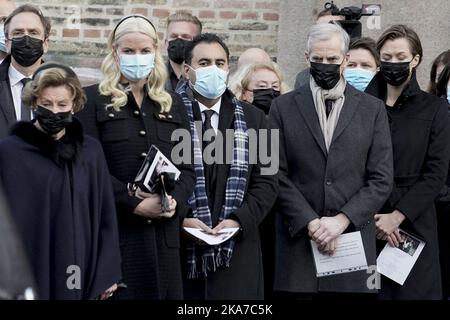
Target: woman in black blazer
{"type": "Point", "coordinates": [420, 133]}
{"type": "Point", "coordinates": [128, 112]}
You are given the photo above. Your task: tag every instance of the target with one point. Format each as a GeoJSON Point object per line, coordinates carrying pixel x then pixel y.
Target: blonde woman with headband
{"type": "Point", "coordinates": [129, 111]}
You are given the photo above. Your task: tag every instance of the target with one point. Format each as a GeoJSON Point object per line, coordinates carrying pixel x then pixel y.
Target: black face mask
{"type": "Point", "coordinates": [50, 122]}
{"type": "Point", "coordinates": [395, 73]}
{"type": "Point", "coordinates": [27, 50]}
{"type": "Point", "coordinates": [262, 98]}
{"type": "Point", "coordinates": [176, 50]}
{"type": "Point", "coordinates": [325, 75]}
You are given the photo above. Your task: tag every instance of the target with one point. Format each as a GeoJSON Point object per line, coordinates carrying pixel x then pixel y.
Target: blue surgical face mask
{"type": "Point", "coordinates": [448, 95]}
{"type": "Point", "coordinates": [136, 67]}
{"type": "Point", "coordinates": [359, 78]}
{"type": "Point", "coordinates": [210, 82]}
{"type": "Point", "coordinates": [2, 39]}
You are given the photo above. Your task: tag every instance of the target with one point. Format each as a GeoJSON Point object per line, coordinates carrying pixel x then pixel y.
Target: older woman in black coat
{"type": "Point", "coordinates": [57, 184]}
{"type": "Point", "coordinates": [420, 133]}
{"type": "Point", "coordinates": [128, 112]}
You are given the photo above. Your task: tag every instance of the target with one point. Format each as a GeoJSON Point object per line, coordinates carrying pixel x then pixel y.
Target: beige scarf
{"type": "Point", "coordinates": [319, 96]}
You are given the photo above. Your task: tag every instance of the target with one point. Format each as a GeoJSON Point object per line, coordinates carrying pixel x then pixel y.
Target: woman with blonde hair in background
{"type": "Point", "coordinates": [129, 111]}
{"type": "Point", "coordinates": [258, 84]}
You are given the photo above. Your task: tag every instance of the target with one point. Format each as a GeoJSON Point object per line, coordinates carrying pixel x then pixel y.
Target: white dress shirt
{"type": "Point", "coordinates": [16, 89]}
{"type": "Point", "coordinates": [215, 116]}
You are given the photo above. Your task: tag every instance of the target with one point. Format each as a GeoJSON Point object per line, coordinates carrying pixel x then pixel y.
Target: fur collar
{"type": "Point", "coordinates": [67, 149]}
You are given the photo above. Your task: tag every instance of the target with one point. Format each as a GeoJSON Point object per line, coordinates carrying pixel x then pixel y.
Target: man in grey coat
{"type": "Point", "coordinates": [336, 170]}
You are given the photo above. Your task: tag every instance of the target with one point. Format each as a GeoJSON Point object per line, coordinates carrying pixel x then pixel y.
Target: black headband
{"type": "Point", "coordinates": [132, 16]}
{"type": "Point", "coordinates": [50, 65]}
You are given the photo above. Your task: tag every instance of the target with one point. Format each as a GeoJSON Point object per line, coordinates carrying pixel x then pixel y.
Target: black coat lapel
{"type": "Point", "coordinates": [6, 101]}
{"type": "Point", "coordinates": [196, 111]}
{"type": "Point", "coordinates": [307, 109]}
{"type": "Point", "coordinates": [347, 112]}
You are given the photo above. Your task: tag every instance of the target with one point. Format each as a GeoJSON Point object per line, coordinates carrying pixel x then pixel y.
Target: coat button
{"type": "Point", "coordinates": [136, 113]}
{"type": "Point", "coordinates": [149, 222]}
{"type": "Point", "coordinates": [169, 116]}
{"type": "Point", "coordinates": [328, 183]}
{"type": "Point", "coordinates": [111, 115]}
{"type": "Point", "coordinates": [142, 133]}
{"type": "Point", "coordinates": [143, 154]}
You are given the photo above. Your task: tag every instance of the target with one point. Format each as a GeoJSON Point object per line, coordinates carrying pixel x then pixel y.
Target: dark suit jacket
{"type": "Point", "coordinates": [7, 111]}
{"type": "Point", "coordinates": [354, 177]}
{"type": "Point", "coordinates": [150, 252]}
{"type": "Point", "coordinates": [244, 278]}
{"type": "Point", "coordinates": [302, 78]}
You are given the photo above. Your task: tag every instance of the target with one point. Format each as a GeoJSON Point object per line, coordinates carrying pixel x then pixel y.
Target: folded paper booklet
{"type": "Point", "coordinates": [397, 263]}
{"type": "Point", "coordinates": [348, 257]}
{"type": "Point", "coordinates": [154, 165]}
{"type": "Point", "coordinates": [222, 236]}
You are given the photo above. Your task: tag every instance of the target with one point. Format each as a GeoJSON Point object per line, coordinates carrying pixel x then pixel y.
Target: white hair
{"type": "Point", "coordinates": [325, 32]}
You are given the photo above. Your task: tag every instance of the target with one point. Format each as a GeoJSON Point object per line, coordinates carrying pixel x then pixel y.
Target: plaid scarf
{"type": "Point", "coordinates": [202, 260]}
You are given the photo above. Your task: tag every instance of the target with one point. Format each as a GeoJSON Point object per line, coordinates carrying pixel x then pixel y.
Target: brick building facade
{"type": "Point", "coordinates": [80, 28]}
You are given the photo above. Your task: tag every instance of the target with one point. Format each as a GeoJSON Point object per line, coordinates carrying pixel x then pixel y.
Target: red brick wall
{"type": "Point", "coordinates": [80, 28]}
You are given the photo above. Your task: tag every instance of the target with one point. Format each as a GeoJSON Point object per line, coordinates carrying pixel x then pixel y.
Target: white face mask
{"type": "Point", "coordinates": [136, 67]}
{"type": "Point", "coordinates": [358, 77]}
{"type": "Point", "coordinates": [210, 82]}
{"type": "Point", "coordinates": [448, 94]}
{"type": "Point", "coordinates": [2, 39]}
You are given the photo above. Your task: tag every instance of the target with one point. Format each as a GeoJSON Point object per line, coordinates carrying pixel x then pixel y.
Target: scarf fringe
{"type": "Point", "coordinates": [223, 257]}
{"type": "Point", "coordinates": [208, 264]}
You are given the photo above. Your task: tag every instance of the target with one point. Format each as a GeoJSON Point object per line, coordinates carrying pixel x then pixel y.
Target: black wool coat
{"type": "Point", "coordinates": [62, 203]}
{"type": "Point", "coordinates": [420, 131]}
{"type": "Point", "coordinates": [150, 249]}
{"type": "Point", "coordinates": [354, 177]}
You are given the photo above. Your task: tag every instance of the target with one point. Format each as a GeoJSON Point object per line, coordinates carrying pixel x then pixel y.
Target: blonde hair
{"type": "Point", "coordinates": [110, 85]}
{"type": "Point", "coordinates": [54, 77]}
{"type": "Point", "coordinates": [240, 81]}
{"type": "Point", "coordinates": [184, 16]}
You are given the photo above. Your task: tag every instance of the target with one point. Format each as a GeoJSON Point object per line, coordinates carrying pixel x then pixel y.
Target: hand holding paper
{"type": "Point", "coordinates": [227, 223]}
{"type": "Point", "coordinates": [149, 207]}
{"type": "Point", "coordinates": [349, 256]}
{"type": "Point", "coordinates": [387, 224]}
{"type": "Point", "coordinates": [212, 239]}
{"type": "Point", "coordinates": [330, 228]}
{"type": "Point", "coordinates": [329, 249]}
{"type": "Point", "coordinates": [396, 263]}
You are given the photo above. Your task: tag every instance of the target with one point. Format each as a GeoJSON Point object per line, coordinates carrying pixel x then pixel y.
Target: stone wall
{"type": "Point", "coordinates": [430, 19]}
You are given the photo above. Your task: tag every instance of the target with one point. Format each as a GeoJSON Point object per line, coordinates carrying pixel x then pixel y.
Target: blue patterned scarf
{"type": "Point", "coordinates": [213, 257]}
